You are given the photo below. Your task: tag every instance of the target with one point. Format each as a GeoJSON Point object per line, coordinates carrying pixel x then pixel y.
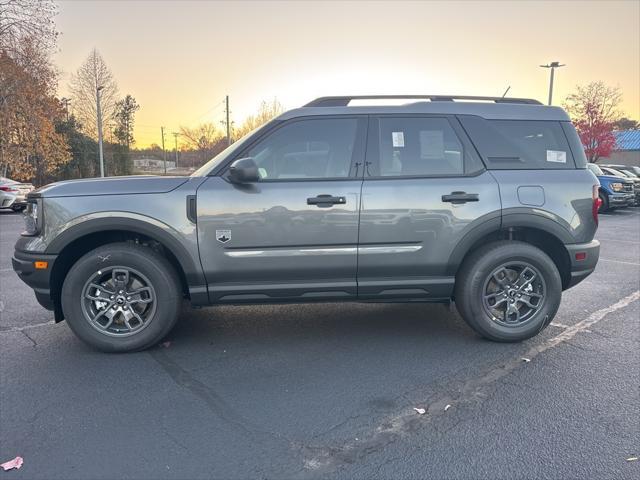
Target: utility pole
{"type": "Point", "coordinates": [226, 103]}
{"type": "Point", "coordinates": [164, 152]}
{"type": "Point", "coordinates": [175, 140]}
{"type": "Point", "coordinates": [66, 101]}
{"type": "Point", "coordinates": [100, 130]}
{"type": "Point", "coordinates": [552, 66]}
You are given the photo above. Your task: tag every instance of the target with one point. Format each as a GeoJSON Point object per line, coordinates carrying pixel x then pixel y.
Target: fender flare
{"type": "Point", "coordinates": [109, 221]}
{"type": "Point", "coordinates": [519, 217]}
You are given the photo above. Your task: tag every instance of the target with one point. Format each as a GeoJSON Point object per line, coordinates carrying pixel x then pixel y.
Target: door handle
{"type": "Point", "coordinates": [460, 197]}
{"type": "Point", "coordinates": [324, 201]}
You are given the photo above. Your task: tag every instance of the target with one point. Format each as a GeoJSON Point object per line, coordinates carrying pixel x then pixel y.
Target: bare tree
{"type": "Point", "coordinates": [93, 73]}
{"type": "Point", "coordinates": [595, 100]}
{"type": "Point", "coordinates": [204, 138]}
{"type": "Point", "coordinates": [20, 19]}
{"type": "Point", "coordinates": [267, 111]}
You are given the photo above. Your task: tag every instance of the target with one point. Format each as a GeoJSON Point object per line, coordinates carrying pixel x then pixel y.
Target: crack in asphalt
{"type": "Point", "coordinates": [331, 458]}
{"type": "Point", "coordinates": [24, 332]}
{"type": "Point", "coordinates": [214, 402]}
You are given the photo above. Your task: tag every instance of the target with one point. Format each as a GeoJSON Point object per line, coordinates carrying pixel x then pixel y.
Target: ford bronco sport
{"type": "Point", "coordinates": [483, 201]}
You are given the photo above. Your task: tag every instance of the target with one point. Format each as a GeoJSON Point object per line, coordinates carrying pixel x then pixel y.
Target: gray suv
{"type": "Point", "coordinates": [483, 201]}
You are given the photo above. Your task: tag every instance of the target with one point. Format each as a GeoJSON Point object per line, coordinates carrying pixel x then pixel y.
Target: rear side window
{"type": "Point", "coordinates": [418, 146]}
{"type": "Point", "coordinates": [520, 144]}
{"type": "Point", "coordinates": [576, 145]}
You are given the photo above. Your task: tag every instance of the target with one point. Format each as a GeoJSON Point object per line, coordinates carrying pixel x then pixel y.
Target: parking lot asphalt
{"type": "Point", "coordinates": [328, 390]}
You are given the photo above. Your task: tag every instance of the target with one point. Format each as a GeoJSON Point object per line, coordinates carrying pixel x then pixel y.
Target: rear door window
{"type": "Point", "coordinates": [520, 144]}
{"type": "Point", "coordinates": [419, 146]}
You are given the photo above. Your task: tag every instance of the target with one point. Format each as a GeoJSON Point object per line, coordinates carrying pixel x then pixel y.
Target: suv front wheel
{"type": "Point", "coordinates": [121, 297]}
{"type": "Point", "coordinates": [508, 291]}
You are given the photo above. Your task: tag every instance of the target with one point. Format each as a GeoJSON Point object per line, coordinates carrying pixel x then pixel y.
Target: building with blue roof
{"type": "Point", "coordinates": [627, 150]}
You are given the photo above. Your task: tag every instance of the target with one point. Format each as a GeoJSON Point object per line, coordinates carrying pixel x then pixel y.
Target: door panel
{"type": "Point", "coordinates": [276, 246]}
{"type": "Point", "coordinates": [294, 234]}
{"type": "Point", "coordinates": [411, 220]}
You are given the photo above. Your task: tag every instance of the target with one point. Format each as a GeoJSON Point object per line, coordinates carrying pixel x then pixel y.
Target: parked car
{"type": "Point", "coordinates": [6, 199]}
{"type": "Point", "coordinates": [486, 202]}
{"type": "Point", "coordinates": [19, 190]}
{"type": "Point", "coordinates": [633, 169]}
{"type": "Point", "coordinates": [627, 175]}
{"type": "Point", "coordinates": [614, 191]}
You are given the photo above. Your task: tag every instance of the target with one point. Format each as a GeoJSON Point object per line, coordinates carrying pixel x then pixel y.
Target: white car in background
{"type": "Point", "coordinates": [6, 199]}
{"type": "Point", "coordinates": [10, 188]}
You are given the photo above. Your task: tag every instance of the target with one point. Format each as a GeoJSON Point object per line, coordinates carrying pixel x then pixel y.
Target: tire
{"type": "Point", "coordinates": [18, 208]}
{"type": "Point", "coordinates": [604, 203]}
{"type": "Point", "coordinates": [477, 288]}
{"type": "Point", "coordinates": [106, 319]}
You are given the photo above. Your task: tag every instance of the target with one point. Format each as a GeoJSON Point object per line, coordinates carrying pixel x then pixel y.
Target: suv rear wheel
{"type": "Point", "coordinates": [508, 291]}
{"type": "Point", "coordinates": [121, 297]}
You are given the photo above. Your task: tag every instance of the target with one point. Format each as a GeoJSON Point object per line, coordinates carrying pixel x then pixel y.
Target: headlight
{"type": "Point", "coordinates": [32, 218]}
{"type": "Point", "coordinates": [616, 187]}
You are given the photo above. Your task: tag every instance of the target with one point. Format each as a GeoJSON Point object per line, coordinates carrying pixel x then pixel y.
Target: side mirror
{"type": "Point", "coordinates": [244, 170]}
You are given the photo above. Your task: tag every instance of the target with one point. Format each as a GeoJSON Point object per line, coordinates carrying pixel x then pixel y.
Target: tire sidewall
{"type": "Point", "coordinates": [478, 275]}
{"type": "Point", "coordinates": [151, 265]}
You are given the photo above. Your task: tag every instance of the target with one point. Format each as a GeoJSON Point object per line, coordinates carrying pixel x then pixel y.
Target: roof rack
{"type": "Point", "coordinates": [344, 101]}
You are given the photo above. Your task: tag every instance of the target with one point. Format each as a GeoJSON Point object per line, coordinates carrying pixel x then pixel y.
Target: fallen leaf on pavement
{"type": "Point", "coordinates": [421, 411]}
{"type": "Point", "coordinates": [15, 463]}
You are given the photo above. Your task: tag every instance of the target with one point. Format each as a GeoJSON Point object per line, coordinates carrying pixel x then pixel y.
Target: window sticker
{"type": "Point", "coordinates": [431, 144]}
{"type": "Point", "coordinates": [398, 139]}
{"type": "Point", "coordinates": [556, 156]}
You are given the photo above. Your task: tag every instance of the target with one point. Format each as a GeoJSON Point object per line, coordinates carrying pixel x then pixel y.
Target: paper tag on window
{"type": "Point", "coordinates": [398, 139]}
{"type": "Point", "coordinates": [556, 156]}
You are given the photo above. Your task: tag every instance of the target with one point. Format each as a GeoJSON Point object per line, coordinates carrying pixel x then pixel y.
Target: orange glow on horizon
{"type": "Point", "coordinates": [179, 59]}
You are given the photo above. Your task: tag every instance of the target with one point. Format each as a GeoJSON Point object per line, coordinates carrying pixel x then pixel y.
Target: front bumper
{"type": "Point", "coordinates": [621, 199]}
{"type": "Point", "coordinates": [581, 269]}
{"type": "Point", "coordinates": [38, 280]}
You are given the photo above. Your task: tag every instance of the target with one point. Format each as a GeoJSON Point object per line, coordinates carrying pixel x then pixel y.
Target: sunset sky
{"type": "Point", "coordinates": [179, 59]}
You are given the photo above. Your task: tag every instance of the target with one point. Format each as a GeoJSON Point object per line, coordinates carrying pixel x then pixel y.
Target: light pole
{"type": "Point", "coordinates": [100, 130]}
{"type": "Point", "coordinates": [175, 140]}
{"type": "Point", "coordinates": [552, 66]}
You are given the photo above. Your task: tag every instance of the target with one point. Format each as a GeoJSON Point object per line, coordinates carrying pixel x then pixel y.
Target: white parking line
{"type": "Point", "coordinates": [28, 327]}
{"type": "Point", "coordinates": [331, 457]}
{"type": "Point", "coordinates": [618, 241]}
{"type": "Point", "coordinates": [618, 261]}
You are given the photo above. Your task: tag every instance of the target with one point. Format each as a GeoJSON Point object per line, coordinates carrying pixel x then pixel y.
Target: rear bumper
{"type": "Point", "coordinates": [38, 280]}
{"type": "Point", "coordinates": [581, 269]}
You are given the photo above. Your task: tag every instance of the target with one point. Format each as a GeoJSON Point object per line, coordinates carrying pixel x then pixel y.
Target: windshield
{"type": "Point", "coordinates": [629, 173]}
{"type": "Point", "coordinates": [595, 169]}
{"type": "Point", "coordinates": [223, 155]}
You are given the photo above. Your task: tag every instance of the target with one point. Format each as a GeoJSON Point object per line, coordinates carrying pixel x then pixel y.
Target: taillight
{"type": "Point", "coordinates": [596, 202]}
{"type": "Point", "coordinates": [8, 189]}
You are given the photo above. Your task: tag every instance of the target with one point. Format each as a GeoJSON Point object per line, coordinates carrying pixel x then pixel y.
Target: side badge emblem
{"type": "Point", "coordinates": [223, 236]}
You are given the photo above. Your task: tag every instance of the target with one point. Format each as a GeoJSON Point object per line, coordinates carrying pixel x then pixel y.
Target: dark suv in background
{"type": "Point", "coordinates": [483, 201]}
